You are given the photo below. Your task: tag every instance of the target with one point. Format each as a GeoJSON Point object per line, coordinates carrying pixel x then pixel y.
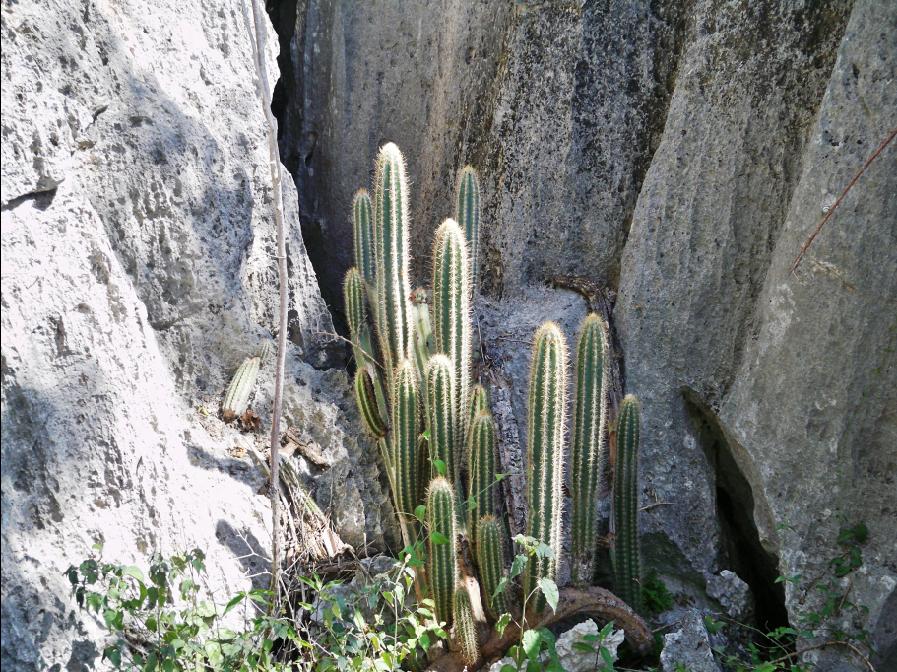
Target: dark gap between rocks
{"type": "Point", "coordinates": [742, 551]}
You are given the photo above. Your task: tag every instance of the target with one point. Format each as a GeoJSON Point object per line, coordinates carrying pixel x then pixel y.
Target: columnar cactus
{"type": "Point", "coordinates": [395, 323]}
{"type": "Point", "coordinates": [481, 474]}
{"type": "Point", "coordinates": [356, 316]}
{"type": "Point", "coordinates": [589, 437]}
{"type": "Point", "coordinates": [467, 214]}
{"type": "Point", "coordinates": [236, 399]}
{"type": "Point", "coordinates": [490, 554]}
{"type": "Point", "coordinates": [442, 402]}
{"type": "Point", "coordinates": [406, 457]}
{"type": "Point", "coordinates": [465, 627]}
{"type": "Point", "coordinates": [363, 228]}
{"type": "Point", "coordinates": [545, 451]}
{"type": "Point", "coordinates": [625, 556]}
{"type": "Point", "coordinates": [442, 561]}
{"type": "Point", "coordinates": [479, 402]}
{"type": "Point", "coordinates": [368, 403]}
{"type": "Point", "coordinates": [451, 308]}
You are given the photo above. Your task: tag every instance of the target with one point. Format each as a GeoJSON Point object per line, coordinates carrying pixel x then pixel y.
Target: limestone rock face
{"type": "Point", "coordinates": [679, 154]}
{"type": "Point", "coordinates": [138, 272]}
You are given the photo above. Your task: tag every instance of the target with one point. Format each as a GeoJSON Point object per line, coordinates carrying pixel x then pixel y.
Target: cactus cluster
{"type": "Point", "coordinates": [417, 396]}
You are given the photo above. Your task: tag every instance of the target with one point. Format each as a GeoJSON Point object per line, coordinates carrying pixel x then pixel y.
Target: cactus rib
{"type": "Point", "coordinates": [442, 562]}
{"type": "Point", "coordinates": [363, 229]}
{"type": "Point", "coordinates": [406, 456]}
{"type": "Point", "coordinates": [481, 474]}
{"type": "Point", "coordinates": [236, 399]}
{"type": "Point", "coordinates": [442, 402]}
{"type": "Point", "coordinates": [626, 560]}
{"type": "Point", "coordinates": [467, 214]}
{"type": "Point", "coordinates": [465, 627]}
{"type": "Point", "coordinates": [490, 554]}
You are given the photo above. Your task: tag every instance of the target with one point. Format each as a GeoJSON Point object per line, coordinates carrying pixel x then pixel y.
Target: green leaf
{"type": "Point", "coordinates": [531, 641]}
{"type": "Point", "coordinates": [517, 565]}
{"type": "Point", "coordinates": [500, 588]}
{"type": "Point", "coordinates": [438, 538]}
{"type": "Point", "coordinates": [113, 655]}
{"type": "Point", "coordinates": [606, 630]}
{"type": "Point", "coordinates": [420, 511]}
{"type": "Point", "coordinates": [133, 571]}
{"type": "Point", "coordinates": [502, 623]}
{"type": "Point", "coordinates": [550, 591]}
{"type": "Point", "coordinates": [439, 465]}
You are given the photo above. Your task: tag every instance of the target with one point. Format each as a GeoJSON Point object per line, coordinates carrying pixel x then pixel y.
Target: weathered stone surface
{"type": "Point", "coordinates": [688, 648]}
{"type": "Point", "coordinates": [733, 594]}
{"type": "Point", "coordinates": [138, 271]}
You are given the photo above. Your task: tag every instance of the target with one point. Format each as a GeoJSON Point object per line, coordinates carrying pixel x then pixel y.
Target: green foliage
{"type": "Point", "coordinates": [465, 627]}
{"type": "Point", "coordinates": [236, 399]}
{"type": "Point", "coordinates": [442, 560]}
{"type": "Point", "coordinates": [589, 437]}
{"type": "Point", "coordinates": [626, 557]}
{"type": "Point", "coordinates": [545, 451]}
{"type": "Point", "coordinates": [595, 644]}
{"type": "Point", "coordinates": [163, 620]}
{"type": "Point", "coordinates": [481, 471]}
{"type": "Point", "coordinates": [656, 598]}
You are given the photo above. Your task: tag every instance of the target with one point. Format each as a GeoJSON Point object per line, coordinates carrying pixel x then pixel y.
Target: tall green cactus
{"type": "Point", "coordinates": [395, 317]}
{"type": "Point", "coordinates": [589, 438]}
{"type": "Point", "coordinates": [442, 402]}
{"type": "Point", "coordinates": [481, 471]}
{"type": "Point", "coordinates": [467, 214]}
{"type": "Point", "coordinates": [363, 229]}
{"type": "Point", "coordinates": [465, 627]}
{"type": "Point", "coordinates": [442, 559]}
{"type": "Point", "coordinates": [545, 452]}
{"type": "Point", "coordinates": [490, 554]}
{"type": "Point", "coordinates": [451, 309]}
{"type": "Point", "coordinates": [626, 557]}
{"type": "Point", "coordinates": [479, 402]}
{"type": "Point", "coordinates": [366, 398]}
{"type": "Point", "coordinates": [356, 316]}
{"type": "Point", "coordinates": [406, 457]}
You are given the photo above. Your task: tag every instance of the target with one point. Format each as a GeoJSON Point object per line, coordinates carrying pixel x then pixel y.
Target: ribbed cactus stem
{"type": "Point", "coordinates": [626, 560]}
{"type": "Point", "coordinates": [490, 554]}
{"type": "Point", "coordinates": [442, 402]}
{"type": "Point", "coordinates": [467, 214]}
{"type": "Point", "coordinates": [356, 315]}
{"type": "Point", "coordinates": [363, 230]}
{"type": "Point", "coordinates": [465, 627]}
{"type": "Point", "coordinates": [589, 439]}
{"type": "Point", "coordinates": [368, 404]}
{"type": "Point", "coordinates": [395, 323]}
{"type": "Point", "coordinates": [479, 402]}
{"type": "Point", "coordinates": [481, 463]}
{"type": "Point", "coordinates": [405, 428]}
{"type": "Point", "coordinates": [545, 452]}
{"type": "Point", "coordinates": [442, 561]}
{"type": "Point", "coordinates": [451, 309]}
{"type": "Point", "coordinates": [236, 399]}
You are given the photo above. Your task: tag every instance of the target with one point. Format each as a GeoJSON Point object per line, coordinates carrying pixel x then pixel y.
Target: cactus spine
{"type": "Point", "coordinates": [481, 476]}
{"type": "Point", "coordinates": [490, 553]}
{"type": "Point", "coordinates": [465, 627]}
{"type": "Point", "coordinates": [479, 402]}
{"type": "Point", "coordinates": [467, 214]}
{"type": "Point", "coordinates": [589, 435]}
{"type": "Point", "coordinates": [406, 456]}
{"type": "Point", "coordinates": [395, 322]}
{"type": "Point", "coordinates": [442, 560]}
{"type": "Point", "coordinates": [626, 560]}
{"type": "Point", "coordinates": [545, 451]}
{"type": "Point", "coordinates": [368, 403]}
{"type": "Point", "coordinates": [451, 309]}
{"type": "Point", "coordinates": [442, 402]}
{"type": "Point", "coordinates": [356, 316]}
{"type": "Point", "coordinates": [363, 229]}
{"type": "Point", "coordinates": [236, 399]}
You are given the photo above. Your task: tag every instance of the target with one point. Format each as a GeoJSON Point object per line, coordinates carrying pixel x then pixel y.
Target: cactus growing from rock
{"type": "Point", "coordinates": [236, 399]}
{"type": "Point", "coordinates": [465, 627]}
{"type": "Point", "coordinates": [442, 403]}
{"type": "Point", "coordinates": [545, 452]}
{"type": "Point", "coordinates": [363, 230]}
{"type": "Point", "coordinates": [451, 309]}
{"type": "Point", "coordinates": [481, 471]}
{"type": "Point", "coordinates": [625, 556]}
{"type": "Point", "coordinates": [589, 438]}
{"type": "Point", "coordinates": [490, 554]}
{"type": "Point", "coordinates": [442, 560]}
{"type": "Point", "coordinates": [467, 214]}
{"type": "Point", "coordinates": [395, 322]}
{"type": "Point", "coordinates": [405, 427]}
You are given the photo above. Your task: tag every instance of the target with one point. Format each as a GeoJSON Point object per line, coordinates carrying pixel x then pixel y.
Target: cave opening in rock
{"type": "Point", "coordinates": [742, 550]}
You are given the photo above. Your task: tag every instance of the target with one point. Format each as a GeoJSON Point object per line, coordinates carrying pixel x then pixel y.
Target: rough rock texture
{"type": "Point", "coordinates": [680, 153]}
{"type": "Point", "coordinates": [138, 271]}
{"type": "Point", "coordinates": [688, 648]}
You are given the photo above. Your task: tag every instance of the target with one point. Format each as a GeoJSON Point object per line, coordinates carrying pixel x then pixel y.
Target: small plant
{"type": "Point", "coordinates": [656, 598]}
